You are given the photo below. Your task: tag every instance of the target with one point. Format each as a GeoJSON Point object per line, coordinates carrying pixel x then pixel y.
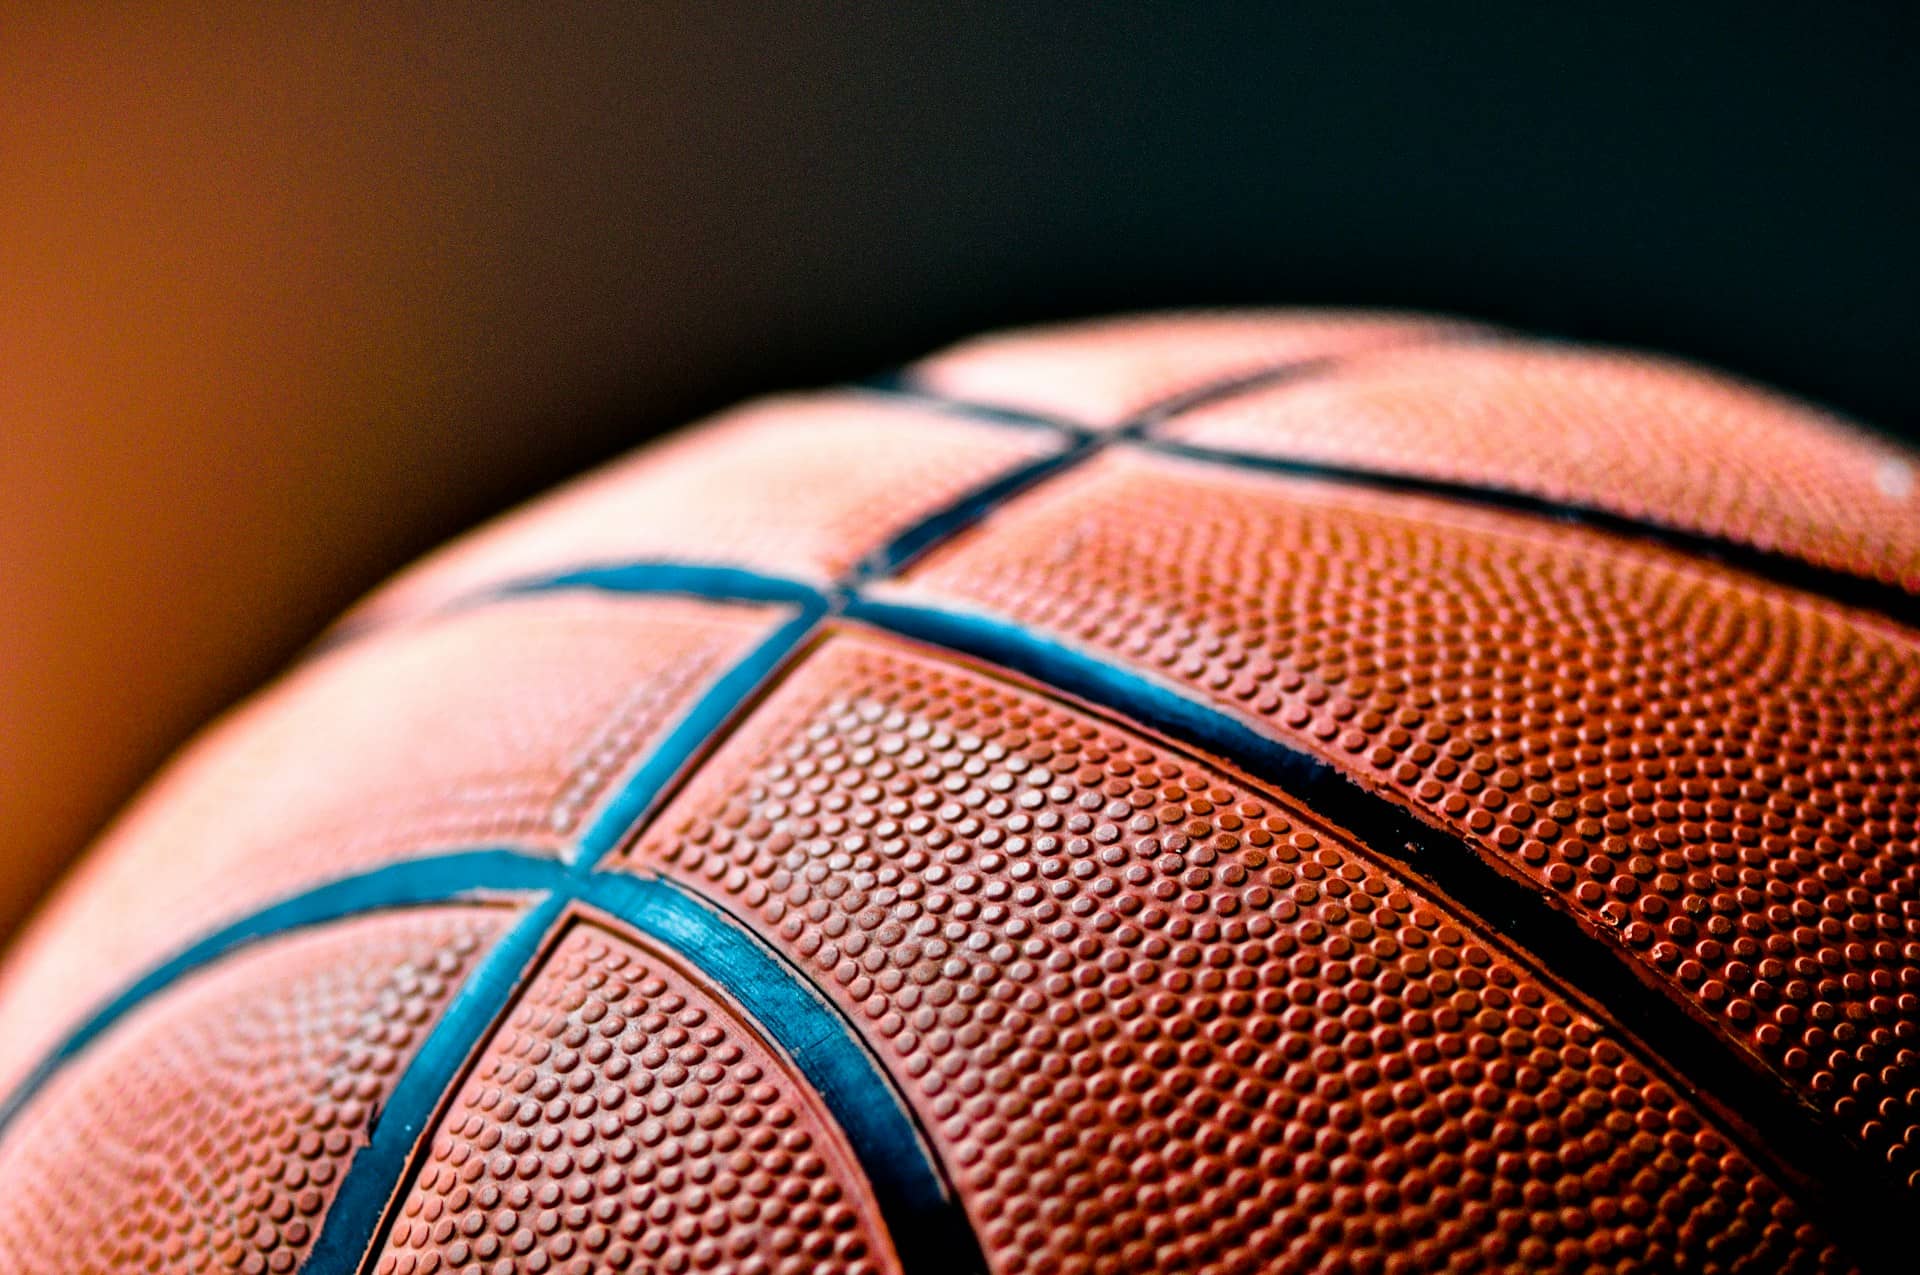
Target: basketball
{"type": "Point", "coordinates": [1216, 793]}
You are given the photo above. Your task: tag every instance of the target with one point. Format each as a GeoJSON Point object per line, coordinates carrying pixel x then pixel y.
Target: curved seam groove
{"type": "Point", "coordinates": [378, 1177]}
{"type": "Point", "coordinates": [943, 525]}
{"type": "Point", "coordinates": [1829, 1172]}
{"type": "Point", "coordinates": [1773, 567]}
{"type": "Point", "coordinates": [691, 736]}
{"type": "Point", "coordinates": [1834, 584]}
{"type": "Point", "coordinates": [907, 382]}
{"type": "Point", "coordinates": [926, 1219]}
{"type": "Point", "coordinates": [949, 521]}
{"type": "Point", "coordinates": [929, 1229]}
{"type": "Point", "coordinates": [705, 582]}
{"type": "Point", "coordinates": [923, 1219]}
{"type": "Point", "coordinates": [901, 385]}
{"type": "Point", "coordinates": [439, 879]}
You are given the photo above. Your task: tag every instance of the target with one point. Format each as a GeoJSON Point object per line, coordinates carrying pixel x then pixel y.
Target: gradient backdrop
{"type": "Point", "coordinates": [286, 297]}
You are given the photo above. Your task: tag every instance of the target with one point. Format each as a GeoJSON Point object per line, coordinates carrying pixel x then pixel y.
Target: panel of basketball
{"type": "Point", "coordinates": [1204, 793]}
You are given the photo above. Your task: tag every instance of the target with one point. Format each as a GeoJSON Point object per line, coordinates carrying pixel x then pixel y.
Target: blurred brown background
{"type": "Point", "coordinates": [287, 295]}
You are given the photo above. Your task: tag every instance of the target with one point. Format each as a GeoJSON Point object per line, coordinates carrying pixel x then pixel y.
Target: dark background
{"type": "Point", "coordinates": [287, 297]}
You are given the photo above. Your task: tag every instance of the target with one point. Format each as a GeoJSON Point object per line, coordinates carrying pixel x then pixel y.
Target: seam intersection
{"type": "Point", "coordinates": [919, 1208]}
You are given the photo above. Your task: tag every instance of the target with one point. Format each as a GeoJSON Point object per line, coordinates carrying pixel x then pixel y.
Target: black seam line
{"type": "Point", "coordinates": [911, 1187]}
{"type": "Point", "coordinates": [918, 1208]}
{"type": "Point", "coordinates": [1219, 391]}
{"type": "Point", "coordinates": [1834, 584]}
{"type": "Point", "coordinates": [1799, 1144]}
{"type": "Point", "coordinates": [1078, 445]}
{"type": "Point", "coordinates": [478, 875]}
{"type": "Point", "coordinates": [1753, 1098]}
{"type": "Point", "coordinates": [1783, 570]}
{"type": "Point", "coordinates": [902, 386]}
{"type": "Point", "coordinates": [1514, 909]}
{"type": "Point", "coordinates": [935, 529]}
{"type": "Point", "coordinates": [658, 577]}
{"type": "Point", "coordinates": [928, 1226]}
{"type": "Point", "coordinates": [705, 722]}
{"type": "Point", "coordinates": [1777, 1128]}
{"type": "Point", "coordinates": [383, 1171]}
{"type": "Point", "coordinates": [943, 525]}
{"type": "Point", "coordinates": [907, 382]}
{"type": "Point", "coordinates": [717, 583]}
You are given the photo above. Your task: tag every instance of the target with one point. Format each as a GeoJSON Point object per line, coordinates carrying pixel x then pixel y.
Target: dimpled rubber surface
{"type": "Point", "coordinates": [501, 724]}
{"type": "Point", "coordinates": [624, 1118]}
{"type": "Point", "coordinates": [1155, 1021]}
{"type": "Point", "coordinates": [1099, 374]}
{"type": "Point", "coordinates": [210, 1130]}
{"type": "Point", "coordinates": [1636, 436]}
{"type": "Point", "coordinates": [1722, 778]}
{"type": "Point", "coordinates": [802, 486]}
{"type": "Point", "coordinates": [1608, 956]}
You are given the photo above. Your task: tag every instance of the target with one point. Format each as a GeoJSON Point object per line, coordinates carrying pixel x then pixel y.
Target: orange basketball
{"type": "Point", "coordinates": [1204, 793]}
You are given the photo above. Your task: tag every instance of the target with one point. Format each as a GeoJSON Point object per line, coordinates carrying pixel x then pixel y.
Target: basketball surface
{"type": "Point", "coordinates": [1217, 793]}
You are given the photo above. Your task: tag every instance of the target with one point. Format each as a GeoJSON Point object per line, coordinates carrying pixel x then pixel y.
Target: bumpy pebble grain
{"type": "Point", "coordinates": [210, 1130]}
{"type": "Point", "coordinates": [1724, 776]}
{"type": "Point", "coordinates": [1156, 1022]}
{"type": "Point", "coordinates": [626, 1119]}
